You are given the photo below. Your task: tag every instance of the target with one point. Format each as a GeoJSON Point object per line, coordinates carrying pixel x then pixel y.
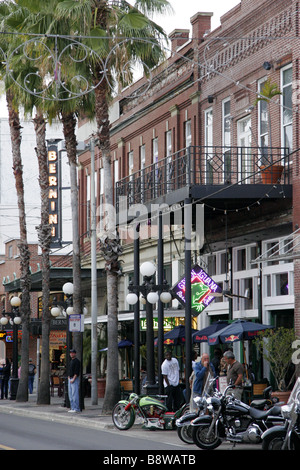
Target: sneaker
{"type": "Point", "coordinates": [71, 411]}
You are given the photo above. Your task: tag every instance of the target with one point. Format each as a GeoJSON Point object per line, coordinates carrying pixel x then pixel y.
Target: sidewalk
{"type": "Point", "coordinates": [91, 416]}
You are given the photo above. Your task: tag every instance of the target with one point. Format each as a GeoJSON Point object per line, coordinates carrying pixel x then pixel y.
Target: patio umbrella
{"type": "Point", "coordinates": [175, 336]}
{"type": "Point", "coordinates": [124, 343]}
{"type": "Point", "coordinates": [201, 336]}
{"type": "Point", "coordinates": [238, 330]}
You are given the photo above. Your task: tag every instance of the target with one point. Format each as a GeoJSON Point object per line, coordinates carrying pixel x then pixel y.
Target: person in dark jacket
{"type": "Point", "coordinates": [202, 371]}
{"type": "Point", "coordinates": [73, 382]}
{"type": "Point", "coordinates": [5, 379]}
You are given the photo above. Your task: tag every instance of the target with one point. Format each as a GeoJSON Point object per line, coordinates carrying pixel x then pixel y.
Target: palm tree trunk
{"type": "Point", "coordinates": [44, 236]}
{"type": "Point", "coordinates": [69, 127]}
{"type": "Point", "coordinates": [15, 133]}
{"type": "Point", "coordinates": [110, 248]}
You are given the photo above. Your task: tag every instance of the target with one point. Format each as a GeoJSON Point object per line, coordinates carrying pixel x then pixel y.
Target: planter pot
{"type": "Point", "coordinates": [101, 385]}
{"type": "Point", "coordinates": [282, 396]}
{"type": "Point", "coordinates": [271, 174]}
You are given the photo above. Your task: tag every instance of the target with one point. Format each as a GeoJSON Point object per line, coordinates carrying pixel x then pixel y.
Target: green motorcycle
{"type": "Point", "coordinates": [152, 410]}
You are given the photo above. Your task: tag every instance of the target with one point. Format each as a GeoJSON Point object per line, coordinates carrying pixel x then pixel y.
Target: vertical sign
{"type": "Point", "coordinates": [54, 194]}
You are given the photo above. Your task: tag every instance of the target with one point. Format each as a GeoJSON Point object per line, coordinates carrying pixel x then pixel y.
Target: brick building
{"type": "Point", "coordinates": [195, 130]}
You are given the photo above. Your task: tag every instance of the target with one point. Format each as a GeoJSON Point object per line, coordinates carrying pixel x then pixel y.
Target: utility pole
{"type": "Point", "coordinates": [94, 390]}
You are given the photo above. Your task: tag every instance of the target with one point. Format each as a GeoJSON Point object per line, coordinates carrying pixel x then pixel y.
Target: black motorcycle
{"type": "Point", "coordinates": [183, 424]}
{"type": "Point", "coordinates": [286, 436]}
{"type": "Point", "coordinates": [231, 420]}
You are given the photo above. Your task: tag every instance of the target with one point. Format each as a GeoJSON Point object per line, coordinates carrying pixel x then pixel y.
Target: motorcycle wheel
{"type": "Point", "coordinates": [200, 439]}
{"type": "Point", "coordinates": [185, 434]}
{"type": "Point", "coordinates": [274, 443]}
{"type": "Point", "coordinates": [123, 419]}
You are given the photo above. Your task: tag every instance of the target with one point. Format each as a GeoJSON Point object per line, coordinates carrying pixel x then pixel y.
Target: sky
{"type": "Point", "coordinates": [180, 19]}
{"type": "Point", "coordinates": [185, 9]}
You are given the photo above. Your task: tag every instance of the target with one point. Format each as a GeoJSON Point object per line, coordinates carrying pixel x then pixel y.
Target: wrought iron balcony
{"type": "Point", "coordinates": [203, 167]}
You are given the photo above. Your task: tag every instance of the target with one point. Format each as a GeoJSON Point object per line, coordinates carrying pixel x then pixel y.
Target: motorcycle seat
{"type": "Point", "coordinates": [258, 403]}
{"type": "Point", "coordinates": [260, 414]}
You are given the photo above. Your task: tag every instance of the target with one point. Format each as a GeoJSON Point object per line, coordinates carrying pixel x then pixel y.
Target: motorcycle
{"type": "Point", "coordinates": [231, 420]}
{"type": "Point", "coordinates": [183, 424]}
{"type": "Point", "coordinates": [153, 412]}
{"type": "Point", "coordinates": [286, 436]}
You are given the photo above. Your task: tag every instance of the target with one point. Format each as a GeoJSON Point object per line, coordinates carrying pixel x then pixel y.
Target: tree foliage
{"type": "Point", "coordinates": [276, 347]}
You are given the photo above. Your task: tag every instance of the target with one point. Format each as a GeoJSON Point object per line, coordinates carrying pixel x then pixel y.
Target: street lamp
{"type": "Point", "coordinates": [149, 296]}
{"type": "Point", "coordinates": [65, 308]}
{"type": "Point", "coordinates": [56, 310]}
{"type": "Point", "coordinates": [15, 321]}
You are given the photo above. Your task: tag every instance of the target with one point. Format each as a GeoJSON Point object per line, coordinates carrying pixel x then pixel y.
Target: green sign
{"type": "Point", "coordinates": [169, 323]}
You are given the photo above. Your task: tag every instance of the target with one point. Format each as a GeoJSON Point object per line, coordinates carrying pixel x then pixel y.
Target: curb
{"type": "Point", "coordinates": [59, 418]}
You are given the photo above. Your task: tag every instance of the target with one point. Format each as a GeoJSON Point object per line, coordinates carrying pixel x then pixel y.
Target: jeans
{"type": "Point", "coordinates": [30, 383]}
{"type": "Point", "coordinates": [4, 387]}
{"type": "Point", "coordinates": [73, 390]}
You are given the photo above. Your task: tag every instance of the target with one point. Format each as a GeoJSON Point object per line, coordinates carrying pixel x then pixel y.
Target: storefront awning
{"type": "Point", "coordinates": [58, 276]}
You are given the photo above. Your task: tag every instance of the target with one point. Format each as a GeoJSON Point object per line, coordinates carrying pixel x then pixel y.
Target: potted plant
{"type": "Point", "coordinates": [271, 173]}
{"type": "Point", "coordinates": [276, 347]}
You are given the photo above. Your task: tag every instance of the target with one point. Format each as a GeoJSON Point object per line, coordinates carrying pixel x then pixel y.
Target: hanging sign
{"type": "Point", "coordinates": [54, 194]}
{"type": "Point", "coordinates": [202, 289]}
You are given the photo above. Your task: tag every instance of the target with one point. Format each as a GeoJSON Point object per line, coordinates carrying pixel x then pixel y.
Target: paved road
{"type": "Point", "coordinates": [24, 433]}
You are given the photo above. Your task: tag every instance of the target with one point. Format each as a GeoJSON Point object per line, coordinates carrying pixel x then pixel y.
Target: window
{"type": "Point", "coordinates": [88, 204]}
{"type": "Point", "coordinates": [169, 160]}
{"type": "Point", "coordinates": [263, 128]}
{"type": "Point", "coordinates": [142, 169]}
{"type": "Point", "coordinates": [116, 173]}
{"type": "Point", "coordinates": [155, 169]}
{"type": "Point", "coordinates": [244, 142]}
{"type": "Point", "coordinates": [241, 260]}
{"type": "Point", "coordinates": [208, 136]}
{"type": "Point", "coordinates": [287, 113]}
{"type": "Point", "coordinates": [102, 186]}
{"type": "Point", "coordinates": [226, 139]}
{"type": "Point", "coordinates": [281, 284]}
{"type": "Point", "coordinates": [188, 133]}
{"type": "Point", "coordinates": [155, 150]}
{"type": "Point", "coordinates": [131, 179]}
{"type": "Point", "coordinates": [211, 265]}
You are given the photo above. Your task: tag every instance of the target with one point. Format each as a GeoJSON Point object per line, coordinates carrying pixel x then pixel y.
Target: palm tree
{"type": "Point", "coordinates": [12, 98]}
{"type": "Point", "coordinates": [120, 24]}
{"type": "Point", "coordinates": [38, 17]}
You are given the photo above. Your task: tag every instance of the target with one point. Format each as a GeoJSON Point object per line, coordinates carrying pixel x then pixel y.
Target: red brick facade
{"type": "Point", "coordinates": [210, 67]}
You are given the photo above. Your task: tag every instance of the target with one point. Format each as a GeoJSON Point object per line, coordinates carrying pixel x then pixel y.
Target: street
{"type": "Point", "coordinates": [23, 433]}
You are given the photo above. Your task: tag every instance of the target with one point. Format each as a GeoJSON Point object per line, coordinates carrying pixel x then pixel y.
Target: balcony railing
{"type": "Point", "coordinates": [203, 166]}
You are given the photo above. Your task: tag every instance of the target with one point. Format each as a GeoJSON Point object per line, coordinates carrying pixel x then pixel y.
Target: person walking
{"type": "Point", "coordinates": [31, 374]}
{"type": "Point", "coordinates": [235, 374]}
{"type": "Point", "coordinates": [73, 382]}
{"type": "Point", "coordinates": [170, 373]}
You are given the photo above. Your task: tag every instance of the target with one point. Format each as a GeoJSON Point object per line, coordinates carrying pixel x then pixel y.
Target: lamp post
{"type": "Point", "coordinates": [149, 296]}
{"type": "Point", "coordinates": [65, 308]}
{"type": "Point", "coordinates": [15, 321]}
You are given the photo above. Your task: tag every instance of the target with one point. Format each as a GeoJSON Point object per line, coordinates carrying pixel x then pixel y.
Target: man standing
{"type": "Point", "coordinates": [203, 370]}
{"type": "Point", "coordinates": [73, 382]}
{"type": "Point", "coordinates": [170, 372]}
{"type": "Point", "coordinates": [235, 373]}
{"type": "Point", "coordinates": [31, 374]}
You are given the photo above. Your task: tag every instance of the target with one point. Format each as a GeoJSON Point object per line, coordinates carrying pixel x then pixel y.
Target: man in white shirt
{"type": "Point", "coordinates": [170, 373]}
